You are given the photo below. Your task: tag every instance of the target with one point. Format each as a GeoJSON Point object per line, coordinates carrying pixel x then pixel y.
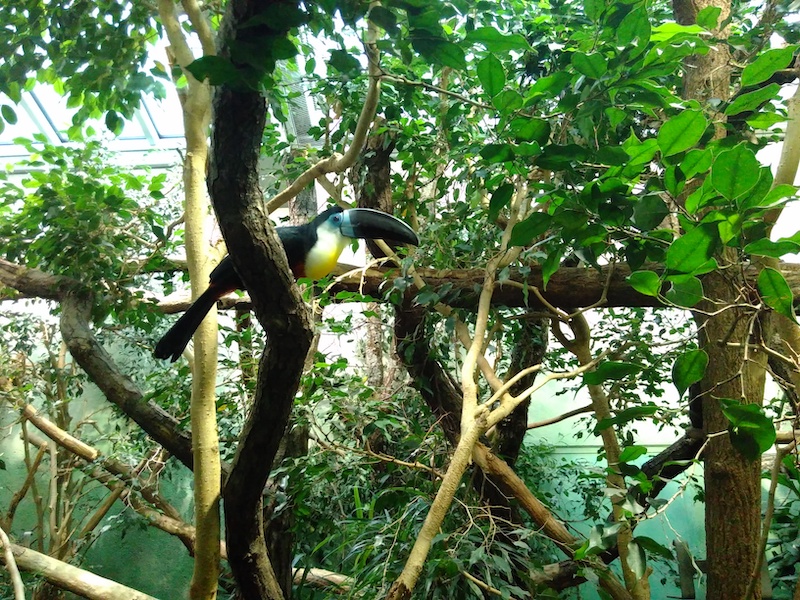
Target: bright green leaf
{"type": "Point", "coordinates": [764, 67]}
{"type": "Point", "coordinates": [492, 75]}
{"type": "Point", "coordinates": [682, 132]}
{"type": "Point", "coordinates": [752, 432]}
{"type": "Point", "coordinates": [689, 368]}
{"type": "Point", "coordinates": [494, 41]}
{"type": "Point", "coordinates": [692, 250]}
{"type": "Point", "coordinates": [735, 172]}
{"type": "Point", "coordinates": [507, 101]}
{"type": "Point", "coordinates": [645, 282]}
{"type": "Point", "coordinates": [591, 65]}
{"type": "Point", "coordinates": [753, 100]}
{"type": "Point", "coordinates": [776, 293]}
{"type": "Point", "coordinates": [631, 453]}
{"type": "Point", "coordinates": [708, 17]}
{"type": "Point", "coordinates": [765, 247]}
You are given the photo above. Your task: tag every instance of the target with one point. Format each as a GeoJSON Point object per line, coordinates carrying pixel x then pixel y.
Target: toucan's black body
{"type": "Point", "coordinates": [312, 250]}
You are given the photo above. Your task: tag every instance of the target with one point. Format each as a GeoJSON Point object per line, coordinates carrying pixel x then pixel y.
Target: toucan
{"type": "Point", "coordinates": [312, 249]}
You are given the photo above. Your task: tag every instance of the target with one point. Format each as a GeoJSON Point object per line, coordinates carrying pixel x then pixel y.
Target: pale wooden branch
{"type": "Point", "coordinates": [72, 579]}
{"type": "Point", "coordinates": [11, 567]}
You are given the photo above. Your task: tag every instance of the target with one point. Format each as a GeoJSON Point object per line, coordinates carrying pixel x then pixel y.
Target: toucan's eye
{"type": "Point", "coordinates": [337, 218]}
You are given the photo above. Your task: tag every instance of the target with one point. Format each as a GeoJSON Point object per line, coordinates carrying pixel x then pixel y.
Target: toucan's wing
{"type": "Point", "coordinates": [297, 241]}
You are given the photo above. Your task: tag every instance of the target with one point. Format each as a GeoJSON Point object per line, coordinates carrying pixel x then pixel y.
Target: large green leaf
{"type": "Point", "coordinates": [591, 65]}
{"type": "Point", "coordinates": [752, 432]}
{"type": "Point", "coordinates": [526, 231]}
{"type": "Point", "coordinates": [649, 212]}
{"type": "Point", "coordinates": [439, 51]}
{"type": "Point", "coordinates": [627, 415]}
{"type": "Point", "coordinates": [753, 100]}
{"type": "Point", "coordinates": [766, 247]}
{"type": "Point", "coordinates": [692, 250]}
{"type": "Point", "coordinates": [765, 65]}
{"type": "Point", "coordinates": [689, 368]}
{"type": "Point", "coordinates": [492, 75]}
{"type": "Point", "coordinates": [500, 198]}
{"type": "Point", "coordinates": [611, 371]}
{"type": "Point", "coordinates": [686, 292]}
{"type": "Point", "coordinates": [776, 293]}
{"type": "Point", "coordinates": [681, 132]}
{"type": "Point", "coordinates": [645, 282]}
{"type": "Point", "coordinates": [494, 41]}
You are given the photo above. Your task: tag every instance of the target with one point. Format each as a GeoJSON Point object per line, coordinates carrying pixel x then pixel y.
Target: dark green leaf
{"type": "Point", "coordinates": [611, 371]}
{"type": "Point", "coordinates": [494, 41]}
{"type": "Point", "coordinates": [507, 101]}
{"type": "Point", "coordinates": [594, 9]}
{"type": "Point", "coordinates": [496, 153]}
{"type": "Point", "coordinates": [591, 65]}
{"type": "Point", "coordinates": [753, 100]}
{"type": "Point", "coordinates": [624, 416]}
{"type": "Point", "coordinates": [500, 198]}
{"type": "Point", "coordinates": [689, 368]}
{"type": "Point", "coordinates": [649, 212]}
{"type": "Point", "coordinates": [383, 18]}
{"type": "Point", "coordinates": [492, 75]}
{"type": "Point", "coordinates": [439, 51]}
{"type": "Point", "coordinates": [531, 228]}
{"type": "Point", "coordinates": [692, 250]}
{"type": "Point", "coordinates": [735, 172]}
{"type": "Point", "coordinates": [682, 132]}
{"type": "Point", "coordinates": [9, 114]}
{"type": "Point", "coordinates": [530, 130]}
{"type": "Point", "coordinates": [114, 122]}
{"type": "Point", "coordinates": [776, 293]}
{"type": "Point", "coordinates": [653, 547]}
{"type": "Point", "coordinates": [752, 432]}
{"type": "Point", "coordinates": [764, 67]}
{"type": "Point", "coordinates": [645, 282]}
{"type": "Point", "coordinates": [218, 70]}
{"type": "Point", "coordinates": [344, 62]}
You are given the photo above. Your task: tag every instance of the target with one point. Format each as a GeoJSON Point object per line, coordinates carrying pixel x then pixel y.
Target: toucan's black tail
{"type": "Point", "coordinates": [175, 340]}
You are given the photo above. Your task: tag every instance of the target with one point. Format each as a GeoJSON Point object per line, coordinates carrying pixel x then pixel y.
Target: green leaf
{"type": "Point", "coordinates": [685, 293]}
{"type": "Point", "coordinates": [9, 114]}
{"type": "Point", "coordinates": [611, 371]}
{"type": "Point", "coordinates": [497, 153]}
{"type": "Point", "coordinates": [114, 122]}
{"type": "Point", "coordinates": [637, 560]}
{"type": "Point", "coordinates": [494, 41]}
{"type": "Point", "coordinates": [634, 27]}
{"type": "Point", "coordinates": [689, 368]}
{"type": "Point", "coordinates": [507, 101]}
{"type": "Point", "coordinates": [681, 132]}
{"type": "Point", "coordinates": [645, 282]}
{"type": "Point", "coordinates": [439, 51]}
{"type": "Point", "coordinates": [649, 212]}
{"type": "Point", "coordinates": [591, 65]}
{"type": "Point", "coordinates": [217, 69]}
{"type": "Point", "coordinates": [653, 547]}
{"type": "Point", "coordinates": [530, 130]}
{"type": "Point", "coordinates": [631, 453]}
{"type": "Point", "coordinates": [603, 537]}
{"type": "Point", "coordinates": [764, 67]}
{"type": "Point", "coordinates": [692, 250]}
{"type": "Point", "coordinates": [551, 265]}
{"type": "Point", "coordinates": [344, 62]}
{"type": "Point", "coordinates": [696, 161]}
{"type": "Point", "coordinates": [708, 17]}
{"type": "Point", "coordinates": [766, 247]}
{"type": "Point", "coordinates": [531, 228]}
{"type": "Point", "coordinates": [624, 416]}
{"type": "Point", "coordinates": [492, 75]}
{"type": "Point", "coordinates": [500, 198]}
{"type": "Point", "coordinates": [383, 18]}
{"type": "Point", "coordinates": [594, 9]}
{"type": "Point", "coordinates": [753, 100]}
{"type": "Point", "coordinates": [776, 293]}
{"type": "Point", "coordinates": [735, 172]}
{"type": "Point", "coordinates": [752, 432]}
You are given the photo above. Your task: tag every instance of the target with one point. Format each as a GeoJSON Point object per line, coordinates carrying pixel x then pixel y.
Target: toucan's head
{"type": "Point", "coordinates": [365, 223]}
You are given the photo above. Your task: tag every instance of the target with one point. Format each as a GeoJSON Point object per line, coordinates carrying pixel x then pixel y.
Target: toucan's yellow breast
{"type": "Point", "coordinates": [324, 255]}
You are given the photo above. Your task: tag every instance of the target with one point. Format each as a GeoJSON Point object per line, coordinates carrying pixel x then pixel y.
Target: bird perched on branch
{"type": "Point", "coordinates": [313, 250]}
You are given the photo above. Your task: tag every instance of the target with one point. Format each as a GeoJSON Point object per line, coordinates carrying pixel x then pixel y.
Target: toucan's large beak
{"type": "Point", "coordinates": [370, 224]}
